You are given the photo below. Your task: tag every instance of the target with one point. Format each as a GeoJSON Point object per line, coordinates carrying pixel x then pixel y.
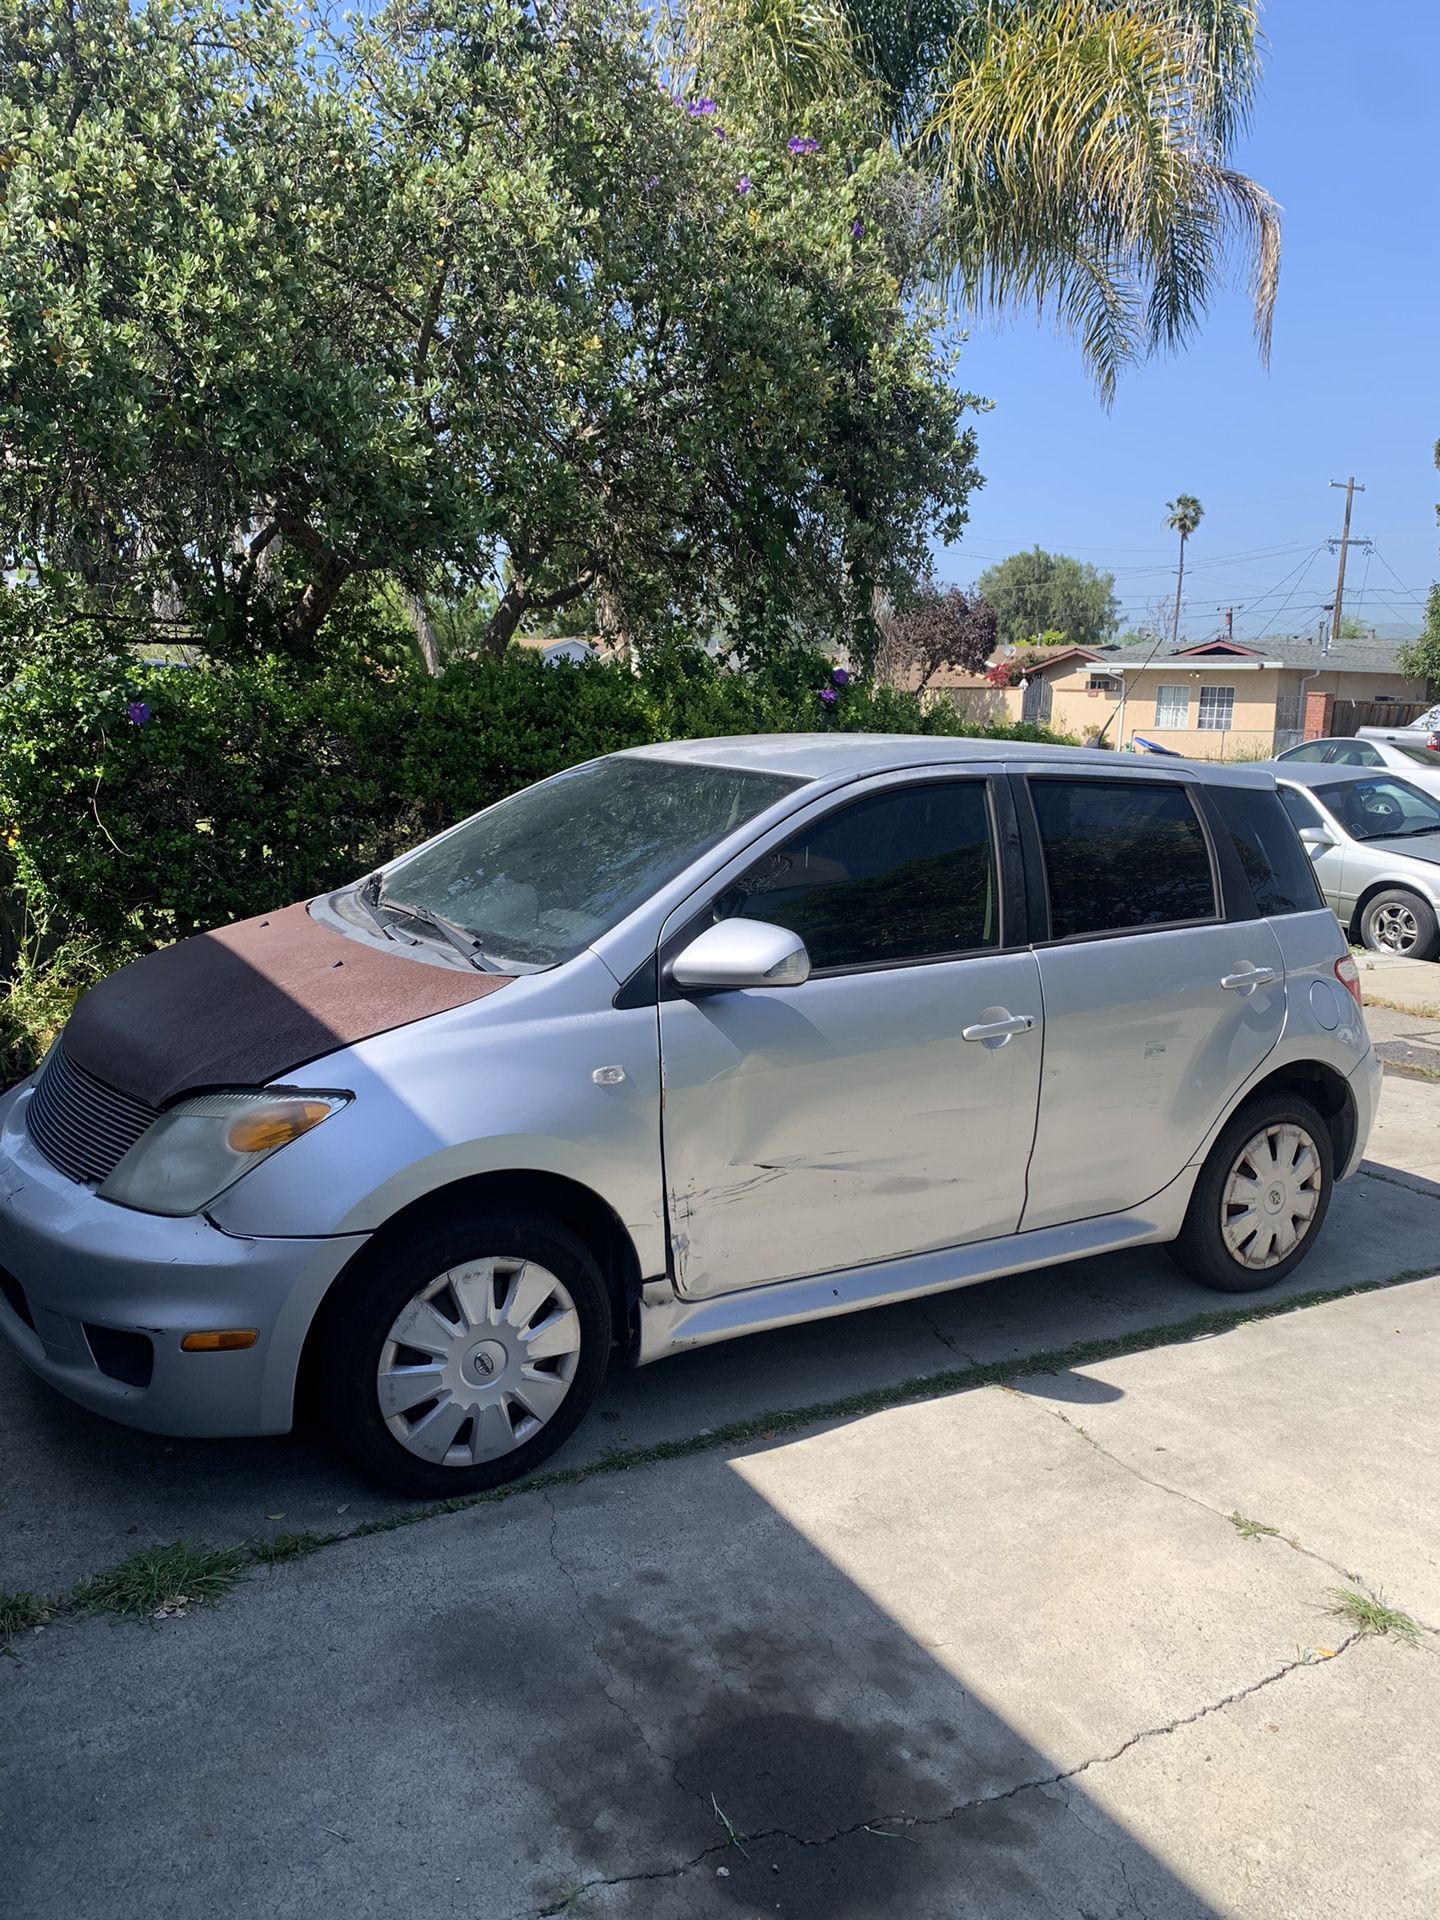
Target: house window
{"type": "Point", "coordinates": [1172, 706]}
{"type": "Point", "coordinates": [1100, 683]}
{"type": "Point", "coordinates": [1217, 704]}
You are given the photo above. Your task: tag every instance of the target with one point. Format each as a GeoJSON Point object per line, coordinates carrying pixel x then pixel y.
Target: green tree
{"type": "Point", "coordinates": [1068, 155]}
{"type": "Point", "coordinates": [1183, 515]}
{"type": "Point", "coordinates": [451, 298]}
{"type": "Point", "coordinates": [1038, 592]}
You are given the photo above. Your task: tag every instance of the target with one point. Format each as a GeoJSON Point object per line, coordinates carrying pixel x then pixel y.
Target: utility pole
{"type": "Point", "coordinates": [1229, 613]}
{"type": "Point", "coordinates": [1344, 543]}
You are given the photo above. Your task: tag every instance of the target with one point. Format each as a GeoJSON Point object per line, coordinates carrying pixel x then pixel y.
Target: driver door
{"type": "Point", "coordinates": [857, 1117]}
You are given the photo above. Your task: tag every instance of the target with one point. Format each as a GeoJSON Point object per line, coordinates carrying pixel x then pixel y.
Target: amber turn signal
{"type": "Point", "coordinates": [265, 1128]}
{"type": "Point", "coordinates": [221, 1340]}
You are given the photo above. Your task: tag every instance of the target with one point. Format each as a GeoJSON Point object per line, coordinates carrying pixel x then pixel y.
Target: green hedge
{"type": "Point", "coordinates": [235, 791]}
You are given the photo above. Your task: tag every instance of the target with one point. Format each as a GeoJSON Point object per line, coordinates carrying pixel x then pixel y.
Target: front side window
{"type": "Point", "coordinates": [1314, 750]}
{"type": "Point", "coordinates": [1121, 853]}
{"type": "Point", "coordinates": [1354, 753]}
{"type": "Point", "coordinates": [540, 876]}
{"type": "Point", "coordinates": [907, 875]}
{"type": "Point", "coordinates": [1301, 808]}
{"type": "Point", "coordinates": [1276, 864]}
{"type": "Point", "coordinates": [1217, 704]}
{"type": "Point", "coordinates": [1172, 706]}
{"type": "Point", "coordinates": [1382, 809]}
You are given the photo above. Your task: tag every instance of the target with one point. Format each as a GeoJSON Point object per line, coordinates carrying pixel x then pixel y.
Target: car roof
{"type": "Point", "coordinates": [830, 756]}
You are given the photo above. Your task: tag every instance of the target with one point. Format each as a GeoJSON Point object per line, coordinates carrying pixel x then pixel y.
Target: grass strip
{"type": "Point", "coordinates": [181, 1574]}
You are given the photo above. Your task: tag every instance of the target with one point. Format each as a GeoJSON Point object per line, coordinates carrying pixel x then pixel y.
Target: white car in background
{"type": "Point", "coordinates": [1401, 752]}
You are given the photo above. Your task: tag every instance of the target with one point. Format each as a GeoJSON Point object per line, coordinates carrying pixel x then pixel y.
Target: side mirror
{"type": "Point", "coordinates": [741, 953]}
{"type": "Point", "coordinates": [1316, 839]}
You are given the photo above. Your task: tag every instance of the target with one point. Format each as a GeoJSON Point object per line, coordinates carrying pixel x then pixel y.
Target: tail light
{"type": "Point", "coordinates": [1348, 974]}
{"type": "Point", "coordinates": [1432, 741]}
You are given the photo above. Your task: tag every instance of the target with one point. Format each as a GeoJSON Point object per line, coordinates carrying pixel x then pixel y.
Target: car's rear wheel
{"type": "Point", "coordinates": [463, 1354]}
{"type": "Point", "coordinates": [1261, 1196]}
{"type": "Point", "coordinates": [1399, 921]}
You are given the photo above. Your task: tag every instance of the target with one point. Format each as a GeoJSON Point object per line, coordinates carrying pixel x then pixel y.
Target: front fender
{"type": "Point", "coordinates": [466, 1093]}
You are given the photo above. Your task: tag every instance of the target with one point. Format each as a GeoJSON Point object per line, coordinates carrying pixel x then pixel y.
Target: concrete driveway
{"type": "Point", "coordinates": [974, 1639]}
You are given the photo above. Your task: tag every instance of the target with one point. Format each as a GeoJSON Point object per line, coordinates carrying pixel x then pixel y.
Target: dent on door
{"type": "Point", "coordinates": [846, 1121]}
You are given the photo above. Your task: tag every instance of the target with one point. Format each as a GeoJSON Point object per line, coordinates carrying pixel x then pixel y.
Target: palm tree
{"type": "Point", "coordinates": [1064, 155]}
{"type": "Point", "coordinates": [1183, 515]}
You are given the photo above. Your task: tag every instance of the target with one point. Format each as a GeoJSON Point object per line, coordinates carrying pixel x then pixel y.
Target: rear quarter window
{"type": "Point", "coordinates": [1275, 861]}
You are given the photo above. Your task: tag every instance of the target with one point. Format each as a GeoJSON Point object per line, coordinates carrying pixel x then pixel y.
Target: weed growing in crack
{"type": "Point", "coordinates": [162, 1580]}
{"type": "Point", "coordinates": [20, 1613]}
{"type": "Point", "coordinates": [1372, 1617]}
{"type": "Point", "coordinates": [1253, 1529]}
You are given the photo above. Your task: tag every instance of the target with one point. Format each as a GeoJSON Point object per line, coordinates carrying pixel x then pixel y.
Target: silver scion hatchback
{"type": "Point", "coordinates": [682, 1044]}
{"type": "Point", "coordinates": [1375, 841]}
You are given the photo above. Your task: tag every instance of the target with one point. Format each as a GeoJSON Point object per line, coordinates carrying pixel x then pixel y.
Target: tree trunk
{"type": "Point", "coordinates": [418, 615]}
{"type": "Point", "coordinates": [1179, 583]}
{"type": "Point", "coordinates": [507, 616]}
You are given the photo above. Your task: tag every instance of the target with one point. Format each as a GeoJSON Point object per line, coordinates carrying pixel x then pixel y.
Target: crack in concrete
{"type": "Point", "coordinates": [904, 1822]}
{"type": "Point", "coordinates": [1194, 1499]}
{"type": "Point", "coordinates": [1411, 1185]}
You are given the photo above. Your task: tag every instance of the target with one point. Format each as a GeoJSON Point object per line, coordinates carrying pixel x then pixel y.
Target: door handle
{"type": "Point", "coordinates": [999, 1031]}
{"type": "Point", "coordinates": [1252, 977]}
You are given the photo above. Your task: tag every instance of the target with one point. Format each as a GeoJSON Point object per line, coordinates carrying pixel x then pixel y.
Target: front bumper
{"type": "Point", "coordinates": [72, 1261]}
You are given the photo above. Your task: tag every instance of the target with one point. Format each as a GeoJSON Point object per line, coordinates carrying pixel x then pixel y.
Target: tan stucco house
{"type": "Point", "coordinates": [1218, 700]}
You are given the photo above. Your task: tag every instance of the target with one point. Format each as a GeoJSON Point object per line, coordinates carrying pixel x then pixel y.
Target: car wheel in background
{"type": "Point", "coordinates": [1260, 1198]}
{"type": "Point", "coordinates": [1398, 921]}
{"type": "Point", "coordinates": [463, 1354]}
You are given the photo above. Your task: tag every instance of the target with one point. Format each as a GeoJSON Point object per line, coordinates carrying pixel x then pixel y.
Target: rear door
{"type": "Point", "coordinates": [1157, 1007]}
{"type": "Point", "coordinates": [880, 1108]}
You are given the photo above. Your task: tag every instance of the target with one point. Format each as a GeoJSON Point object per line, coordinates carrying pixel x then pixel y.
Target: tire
{"type": "Point", "coordinates": [1227, 1262]}
{"type": "Point", "coordinates": [1398, 921]}
{"type": "Point", "coordinates": [428, 1372]}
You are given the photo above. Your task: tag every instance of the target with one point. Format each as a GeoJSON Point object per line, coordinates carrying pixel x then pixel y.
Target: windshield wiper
{"type": "Point", "coordinates": [464, 943]}
{"type": "Point", "coordinates": [367, 893]}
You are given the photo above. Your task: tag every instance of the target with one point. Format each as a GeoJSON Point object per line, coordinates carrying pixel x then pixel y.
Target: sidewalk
{"type": "Point", "coordinates": [1410, 986]}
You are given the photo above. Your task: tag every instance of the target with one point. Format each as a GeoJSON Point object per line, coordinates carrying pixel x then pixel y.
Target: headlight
{"type": "Point", "coordinates": [197, 1149]}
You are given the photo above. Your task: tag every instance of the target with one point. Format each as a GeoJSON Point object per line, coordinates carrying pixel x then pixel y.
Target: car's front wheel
{"type": "Point", "coordinates": [1398, 921]}
{"type": "Point", "coordinates": [1261, 1196]}
{"type": "Point", "coordinates": [461, 1355]}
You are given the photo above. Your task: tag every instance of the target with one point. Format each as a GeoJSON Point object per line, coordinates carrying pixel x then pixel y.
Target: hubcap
{"type": "Point", "coordinates": [1270, 1196]}
{"type": "Point", "coordinates": [478, 1361]}
{"type": "Point", "coordinates": [1394, 927]}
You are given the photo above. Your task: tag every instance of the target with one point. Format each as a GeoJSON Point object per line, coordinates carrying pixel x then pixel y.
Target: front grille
{"type": "Point", "coordinates": [80, 1125]}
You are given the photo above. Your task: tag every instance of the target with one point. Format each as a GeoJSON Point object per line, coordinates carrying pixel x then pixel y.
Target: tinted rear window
{"type": "Point", "coordinates": [1276, 864]}
{"type": "Point", "coordinates": [1121, 853]}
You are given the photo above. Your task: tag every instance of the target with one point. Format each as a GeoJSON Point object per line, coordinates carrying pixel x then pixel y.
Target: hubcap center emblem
{"type": "Point", "coordinates": [1275, 1199]}
{"type": "Point", "coordinates": [484, 1363]}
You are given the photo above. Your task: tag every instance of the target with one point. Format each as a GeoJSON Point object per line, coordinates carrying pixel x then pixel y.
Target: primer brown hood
{"type": "Point", "coordinates": [246, 1003]}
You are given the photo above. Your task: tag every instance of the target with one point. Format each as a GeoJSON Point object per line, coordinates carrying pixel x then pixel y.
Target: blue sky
{"type": "Point", "coordinates": [1344, 137]}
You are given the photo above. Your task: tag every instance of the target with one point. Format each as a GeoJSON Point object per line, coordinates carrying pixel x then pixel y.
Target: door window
{"type": "Point", "coordinates": [1354, 753]}
{"type": "Point", "coordinates": [1316, 750]}
{"type": "Point", "coordinates": [903, 875]}
{"type": "Point", "coordinates": [1121, 853]}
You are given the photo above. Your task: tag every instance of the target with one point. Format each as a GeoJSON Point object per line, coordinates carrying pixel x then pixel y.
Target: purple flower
{"type": "Point", "coordinates": [857, 227]}
{"type": "Point", "coordinates": [798, 144]}
{"type": "Point", "coordinates": [721, 134]}
{"type": "Point", "coordinates": [742, 185]}
{"type": "Point", "coordinates": [827, 696]}
{"type": "Point", "coordinates": [138, 713]}
{"type": "Point", "coordinates": [698, 108]}
{"type": "Point", "coordinates": [652, 183]}
{"type": "Point", "coordinates": [840, 677]}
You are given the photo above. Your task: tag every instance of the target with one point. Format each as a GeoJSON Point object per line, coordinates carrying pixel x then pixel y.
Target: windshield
{"type": "Point", "coordinates": [1381, 809]}
{"type": "Point", "coordinates": [1421, 754]}
{"type": "Point", "coordinates": [540, 876]}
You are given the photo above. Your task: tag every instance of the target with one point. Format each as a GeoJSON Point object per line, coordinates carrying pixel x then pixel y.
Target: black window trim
{"type": "Point", "coordinates": [1037, 881]}
{"type": "Point", "coordinates": [650, 982]}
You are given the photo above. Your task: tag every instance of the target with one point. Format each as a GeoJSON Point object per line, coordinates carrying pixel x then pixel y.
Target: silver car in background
{"type": "Point", "coordinates": [1412, 758]}
{"type": "Point", "coordinates": [1375, 842]}
{"type": "Point", "coordinates": [684, 1043]}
